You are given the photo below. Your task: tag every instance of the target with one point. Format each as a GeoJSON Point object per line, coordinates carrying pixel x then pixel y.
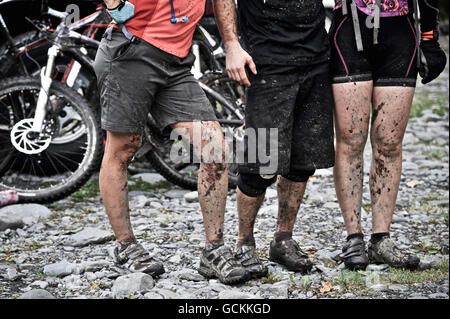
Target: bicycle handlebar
{"type": "Point", "coordinates": [57, 14]}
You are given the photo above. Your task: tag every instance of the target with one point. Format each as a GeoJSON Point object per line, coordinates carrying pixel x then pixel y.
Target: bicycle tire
{"type": "Point", "coordinates": [93, 153]}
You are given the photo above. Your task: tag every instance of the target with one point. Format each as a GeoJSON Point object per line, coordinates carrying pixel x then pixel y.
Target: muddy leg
{"type": "Point", "coordinates": [352, 115]}
{"type": "Point", "coordinates": [212, 176]}
{"type": "Point", "coordinates": [290, 196]}
{"type": "Point", "coordinates": [248, 208]}
{"type": "Point", "coordinates": [119, 151]}
{"type": "Point", "coordinates": [390, 118]}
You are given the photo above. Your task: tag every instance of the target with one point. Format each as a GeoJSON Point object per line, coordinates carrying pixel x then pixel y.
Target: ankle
{"type": "Point", "coordinates": [355, 235]}
{"type": "Point", "coordinates": [280, 236]}
{"type": "Point", "coordinates": [376, 237]}
{"type": "Point", "coordinates": [249, 241]}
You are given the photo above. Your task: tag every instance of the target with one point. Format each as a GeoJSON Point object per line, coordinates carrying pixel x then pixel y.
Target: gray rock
{"type": "Point", "coordinates": [191, 197]}
{"type": "Point", "coordinates": [28, 213]}
{"type": "Point", "coordinates": [399, 288]}
{"type": "Point", "coordinates": [167, 294]}
{"type": "Point", "coordinates": [60, 269]}
{"type": "Point", "coordinates": [10, 221]}
{"type": "Point", "coordinates": [89, 236]}
{"type": "Point", "coordinates": [379, 287]}
{"type": "Point", "coordinates": [236, 294]}
{"type": "Point", "coordinates": [150, 178]}
{"type": "Point", "coordinates": [153, 295]}
{"type": "Point", "coordinates": [12, 274]}
{"type": "Point", "coordinates": [373, 267]}
{"type": "Point", "coordinates": [127, 285]}
{"type": "Point", "coordinates": [191, 276]}
{"type": "Point", "coordinates": [176, 193]}
{"type": "Point", "coordinates": [93, 266]}
{"type": "Point", "coordinates": [37, 294]}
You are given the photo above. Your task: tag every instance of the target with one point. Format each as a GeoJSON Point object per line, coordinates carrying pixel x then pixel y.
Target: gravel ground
{"type": "Point", "coordinates": [62, 250]}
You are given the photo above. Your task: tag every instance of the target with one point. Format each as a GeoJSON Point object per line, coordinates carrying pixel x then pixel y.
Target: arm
{"type": "Point", "coordinates": [429, 18]}
{"type": "Point", "coordinates": [433, 56]}
{"type": "Point", "coordinates": [237, 58]}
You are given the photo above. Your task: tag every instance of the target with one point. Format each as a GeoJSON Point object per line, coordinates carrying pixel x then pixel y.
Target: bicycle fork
{"type": "Point", "coordinates": [46, 82]}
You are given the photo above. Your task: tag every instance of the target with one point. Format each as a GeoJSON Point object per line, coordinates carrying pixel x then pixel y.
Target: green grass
{"type": "Point", "coordinates": [356, 281]}
{"type": "Point", "coordinates": [91, 189]}
{"type": "Point", "coordinates": [271, 278]}
{"type": "Point", "coordinates": [425, 101]}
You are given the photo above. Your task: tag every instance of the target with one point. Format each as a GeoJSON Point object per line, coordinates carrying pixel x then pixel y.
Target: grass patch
{"type": "Point", "coordinates": [271, 278]}
{"type": "Point", "coordinates": [350, 280]}
{"type": "Point", "coordinates": [406, 277]}
{"type": "Point", "coordinates": [139, 185]}
{"type": "Point", "coordinates": [88, 191]}
{"type": "Point", "coordinates": [426, 101]}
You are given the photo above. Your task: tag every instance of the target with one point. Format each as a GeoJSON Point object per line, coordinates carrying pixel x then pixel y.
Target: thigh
{"type": "Point", "coordinates": [127, 84]}
{"type": "Point", "coordinates": [352, 111]}
{"type": "Point", "coordinates": [347, 63]}
{"type": "Point", "coordinates": [182, 100]}
{"type": "Point", "coordinates": [269, 117]}
{"type": "Point", "coordinates": [394, 59]}
{"type": "Point", "coordinates": [391, 107]}
{"type": "Point", "coordinates": [313, 136]}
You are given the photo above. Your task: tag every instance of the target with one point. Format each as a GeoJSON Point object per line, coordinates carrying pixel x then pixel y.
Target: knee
{"type": "Point", "coordinates": [126, 149]}
{"type": "Point", "coordinates": [254, 185]}
{"type": "Point", "coordinates": [214, 148]}
{"type": "Point", "coordinates": [387, 147]}
{"type": "Point", "coordinates": [351, 143]}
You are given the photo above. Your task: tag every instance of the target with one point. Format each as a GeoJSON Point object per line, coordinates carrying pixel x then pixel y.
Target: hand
{"type": "Point", "coordinates": [435, 60]}
{"type": "Point", "coordinates": [237, 59]}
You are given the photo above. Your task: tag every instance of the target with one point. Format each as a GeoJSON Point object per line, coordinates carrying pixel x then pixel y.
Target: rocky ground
{"type": "Point", "coordinates": [61, 250]}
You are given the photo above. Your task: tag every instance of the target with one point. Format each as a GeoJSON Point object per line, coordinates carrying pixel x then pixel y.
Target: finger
{"type": "Point", "coordinates": [252, 66]}
{"type": "Point", "coordinates": [243, 76]}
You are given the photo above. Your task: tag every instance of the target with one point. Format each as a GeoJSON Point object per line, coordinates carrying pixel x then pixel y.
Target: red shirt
{"type": "Point", "coordinates": [151, 22]}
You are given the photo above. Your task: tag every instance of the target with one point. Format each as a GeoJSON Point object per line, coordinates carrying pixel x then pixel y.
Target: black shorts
{"type": "Point", "coordinates": [391, 62]}
{"type": "Point", "coordinates": [137, 78]}
{"type": "Point", "coordinates": [299, 104]}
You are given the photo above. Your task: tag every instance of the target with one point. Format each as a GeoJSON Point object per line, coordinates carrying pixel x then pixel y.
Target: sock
{"type": "Point", "coordinates": [357, 235]}
{"type": "Point", "coordinates": [246, 242]}
{"type": "Point", "coordinates": [282, 235]}
{"type": "Point", "coordinates": [375, 238]}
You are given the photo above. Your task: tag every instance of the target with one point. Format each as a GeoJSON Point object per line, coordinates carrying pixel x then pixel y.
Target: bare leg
{"type": "Point", "coordinates": [389, 120]}
{"type": "Point", "coordinates": [352, 115]}
{"type": "Point", "coordinates": [248, 208]}
{"type": "Point", "coordinates": [290, 196]}
{"type": "Point", "coordinates": [119, 151]}
{"type": "Point", "coordinates": [212, 177]}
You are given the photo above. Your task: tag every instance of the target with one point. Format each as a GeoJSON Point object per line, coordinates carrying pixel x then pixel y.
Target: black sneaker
{"type": "Point", "coordinates": [135, 258]}
{"type": "Point", "coordinates": [248, 257]}
{"type": "Point", "coordinates": [384, 251]}
{"type": "Point", "coordinates": [354, 254]}
{"type": "Point", "coordinates": [220, 262]}
{"type": "Point", "coordinates": [288, 253]}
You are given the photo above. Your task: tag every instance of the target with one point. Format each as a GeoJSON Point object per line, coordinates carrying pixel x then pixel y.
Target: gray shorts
{"type": "Point", "coordinates": [136, 78]}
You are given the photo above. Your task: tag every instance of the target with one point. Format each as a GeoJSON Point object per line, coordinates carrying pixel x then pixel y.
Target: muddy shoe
{"type": "Point", "coordinates": [248, 257]}
{"type": "Point", "coordinates": [354, 254]}
{"type": "Point", "coordinates": [135, 258]}
{"type": "Point", "coordinates": [384, 251]}
{"type": "Point", "coordinates": [288, 253]}
{"type": "Point", "coordinates": [220, 262]}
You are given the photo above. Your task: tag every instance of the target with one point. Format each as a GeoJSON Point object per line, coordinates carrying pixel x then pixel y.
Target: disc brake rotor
{"type": "Point", "coordinates": [21, 141]}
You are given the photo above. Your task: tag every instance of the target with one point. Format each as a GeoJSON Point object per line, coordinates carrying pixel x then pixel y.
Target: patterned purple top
{"type": "Point", "coordinates": [389, 8]}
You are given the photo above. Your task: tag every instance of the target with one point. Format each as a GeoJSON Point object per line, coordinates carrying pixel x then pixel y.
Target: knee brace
{"type": "Point", "coordinates": [254, 185]}
{"type": "Point", "coordinates": [299, 176]}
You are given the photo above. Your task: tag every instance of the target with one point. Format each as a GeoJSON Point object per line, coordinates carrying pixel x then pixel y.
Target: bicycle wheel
{"type": "Point", "coordinates": [33, 166]}
{"type": "Point", "coordinates": [185, 173]}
